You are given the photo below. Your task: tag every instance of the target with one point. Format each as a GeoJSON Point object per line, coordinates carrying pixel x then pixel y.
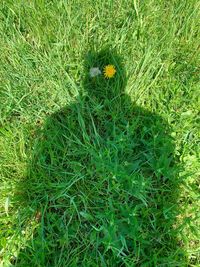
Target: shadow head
{"type": "Point", "coordinates": [100, 87]}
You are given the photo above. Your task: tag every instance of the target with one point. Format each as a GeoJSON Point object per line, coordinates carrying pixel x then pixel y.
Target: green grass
{"type": "Point", "coordinates": [99, 172]}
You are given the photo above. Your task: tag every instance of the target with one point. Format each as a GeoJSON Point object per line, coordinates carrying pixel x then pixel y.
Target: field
{"type": "Point", "coordinates": [98, 171]}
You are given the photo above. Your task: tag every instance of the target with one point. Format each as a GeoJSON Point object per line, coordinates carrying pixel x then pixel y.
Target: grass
{"type": "Point", "coordinates": [99, 172]}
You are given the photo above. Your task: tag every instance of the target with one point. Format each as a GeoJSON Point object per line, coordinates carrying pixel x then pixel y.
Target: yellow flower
{"type": "Point", "coordinates": [109, 71]}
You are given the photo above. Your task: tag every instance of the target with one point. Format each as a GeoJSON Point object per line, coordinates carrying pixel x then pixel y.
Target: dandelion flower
{"type": "Point", "coordinates": [94, 72]}
{"type": "Point", "coordinates": [109, 71]}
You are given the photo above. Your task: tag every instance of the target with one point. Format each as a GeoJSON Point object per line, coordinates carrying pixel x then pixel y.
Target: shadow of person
{"type": "Point", "coordinates": [101, 184]}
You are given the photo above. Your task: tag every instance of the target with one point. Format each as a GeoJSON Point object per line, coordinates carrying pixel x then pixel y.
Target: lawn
{"type": "Point", "coordinates": [98, 171]}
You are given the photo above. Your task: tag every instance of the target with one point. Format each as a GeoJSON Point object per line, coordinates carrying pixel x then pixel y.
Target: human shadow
{"type": "Point", "coordinates": [102, 183]}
